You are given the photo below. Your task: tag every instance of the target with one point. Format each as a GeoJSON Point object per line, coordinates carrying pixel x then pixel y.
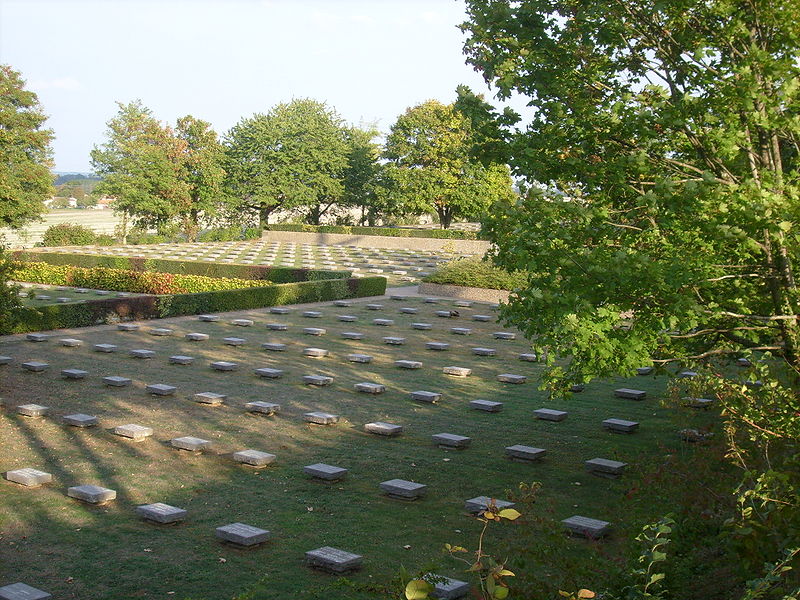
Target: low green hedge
{"type": "Point", "coordinates": [184, 267]}
{"type": "Point", "coordinates": [475, 272]}
{"type": "Point", "coordinates": [112, 310]}
{"type": "Point", "coordinates": [443, 234]}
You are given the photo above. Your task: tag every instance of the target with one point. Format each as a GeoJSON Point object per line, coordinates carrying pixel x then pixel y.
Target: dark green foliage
{"type": "Point", "coordinates": [9, 301]}
{"type": "Point", "coordinates": [474, 272]}
{"type": "Point", "coordinates": [443, 234]}
{"type": "Point", "coordinates": [69, 234]}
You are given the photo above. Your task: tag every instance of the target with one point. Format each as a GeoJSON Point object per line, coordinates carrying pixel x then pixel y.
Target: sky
{"type": "Point", "coordinates": [224, 60]}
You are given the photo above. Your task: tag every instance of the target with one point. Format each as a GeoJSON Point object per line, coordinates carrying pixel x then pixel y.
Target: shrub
{"type": "Point", "coordinates": [68, 234]}
{"type": "Point", "coordinates": [229, 234]}
{"type": "Point", "coordinates": [475, 272]}
{"type": "Point", "coordinates": [445, 234]}
{"type": "Point", "coordinates": [9, 299]}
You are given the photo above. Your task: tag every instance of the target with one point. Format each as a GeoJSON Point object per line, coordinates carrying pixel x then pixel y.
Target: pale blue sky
{"type": "Point", "coordinates": [221, 60]}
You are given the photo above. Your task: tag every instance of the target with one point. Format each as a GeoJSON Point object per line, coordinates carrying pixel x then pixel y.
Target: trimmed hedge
{"type": "Point", "coordinates": [113, 310]}
{"type": "Point", "coordinates": [184, 267]}
{"type": "Point", "coordinates": [140, 282]}
{"type": "Point", "coordinates": [442, 234]}
{"type": "Point", "coordinates": [478, 273]}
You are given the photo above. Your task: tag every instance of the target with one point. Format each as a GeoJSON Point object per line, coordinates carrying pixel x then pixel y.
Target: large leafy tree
{"type": "Point", "coordinates": [25, 153]}
{"type": "Point", "coordinates": [292, 158]}
{"type": "Point", "coordinates": [362, 175]}
{"type": "Point", "coordinates": [431, 168]}
{"type": "Point", "coordinates": [664, 151]}
{"type": "Point", "coordinates": [142, 163]}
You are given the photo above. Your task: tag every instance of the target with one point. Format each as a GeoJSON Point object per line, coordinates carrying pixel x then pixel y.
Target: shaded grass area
{"type": "Point", "coordinates": [29, 293]}
{"type": "Point", "coordinates": [76, 551]}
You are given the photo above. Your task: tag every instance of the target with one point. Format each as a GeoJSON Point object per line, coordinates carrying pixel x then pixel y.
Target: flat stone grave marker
{"type": "Point", "coordinates": [277, 326]}
{"type": "Point", "coordinates": [242, 322]}
{"type": "Point", "coordinates": [274, 347]}
{"type": "Point", "coordinates": [644, 370]}
{"type": "Point", "coordinates": [687, 374]}
{"type": "Point", "coordinates": [381, 428]}
{"type": "Point", "coordinates": [268, 373]}
{"type": "Point", "coordinates": [526, 357]}
{"type": "Point", "coordinates": [461, 331]}
{"type": "Point", "coordinates": [208, 318]}
{"type": "Point", "coordinates": [743, 362]}
{"type": "Point", "coordinates": [224, 365]}
{"type": "Point", "coordinates": [73, 373]}
{"type": "Point", "coordinates": [486, 405]}
{"type": "Point", "coordinates": [457, 371]}
{"type": "Point", "coordinates": [161, 389]}
{"type": "Point", "coordinates": [135, 432]}
{"type": "Point", "coordinates": [431, 301]}
{"type": "Point", "coordinates": [240, 534]}
{"type": "Point", "coordinates": [116, 381]}
{"type": "Point", "coordinates": [445, 588]}
{"type": "Point", "coordinates": [409, 310]}
{"type": "Point", "coordinates": [342, 303]}
{"type": "Point", "coordinates": [32, 410]}
{"type": "Point", "coordinates": [408, 364]}
{"type": "Point", "coordinates": [80, 420]}
{"type": "Point", "coordinates": [368, 387]}
{"type": "Point", "coordinates": [437, 346]}
{"type": "Point", "coordinates": [22, 591]}
{"type": "Point", "coordinates": [394, 341]}
{"type": "Point", "coordinates": [325, 472]}
{"type": "Point", "coordinates": [4, 360]}
{"type": "Point", "coordinates": [383, 322]}
{"type": "Point", "coordinates": [511, 378]}
{"type": "Point", "coordinates": [266, 408]}
{"type": "Point", "coordinates": [403, 490]}
{"type": "Point", "coordinates": [359, 358]}
{"type": "Point", "coordinates": [91, 494]}
{"type": "Point", "coordinates": [37, 337]}
{"type": "Point", "coordinates": [333, 560]}
{"type": "Point", "coordinates": [314, 331]}
{"type": "Point", "coordinates": [374, 307]}
{"type": "Point", "coordinates": [605, 468]}
{"type": "Point", "coordinates": [351, 335]}
{"type": "Point", "coordinates": [347, 318]}
{"type": "Point", "coordinates": [484, 351]}
{"type": "Point", "coordinates": [521, 453]}
{"type": "Point", "coordinates": [29, 477]}
{"type": "Point", "coordinates": [630, 394]}
{"type": "Point", "coordinates": [577, 388]}
{"type": "Point", "coordinates": [161, 513]}
{"type": "Point", "coordinates": [482, 318]}
{"type": "Point", "coordinates": [127, 327]}
{"type": "Point", "coordinates": [190, 443]}
{"type": "Point", "coordinates": [104, 348]}
{"type": "Point", "coordinates": [321, 418]}
{"type": "Point", "coordinates": [196, 337]}
{"type": "Point", "coordinates": [315, 352]}
{"type": "Point", "coordinates": [70, 342]}
{"type": "Point", "coordinates": [317, 380]}
{"type": "Point", "coordinates": [422, 326]}
{"type": "Point", "coordinates": [234, 341]}
{"type": "Point", "coordinates": [423, 396]}
{"type": "Point", "coordinates": [279, 310]}
{"type": "Point", "coordinates": [35, 366]}
{"type": "Point", "coordinates": [481, 503]}
{"type": "Point", "coordinates": [451, 440]}
{"type": "Point", "coordinates": [698, 402]}
{"type": "Point", "coordinates": [586, 527]}
{"type": "Point", "coordinates": [620, 425]}
{"type": "Point", "coordinates": [142, 353]}
{"type": "Point", "coordinates": [504, 335]}
{"type": "Point", "coordinates": [549, 414]}
{"type": "Point", "coordinates": [312, 314]}
{"type": "Point", "coordinates": [180, 359]}
{"type": "Point", "coordinates": [253, 458]}
{"type": "Point", "coordinates": [161, 331]}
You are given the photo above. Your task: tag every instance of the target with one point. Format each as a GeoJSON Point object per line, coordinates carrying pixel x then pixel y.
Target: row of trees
{"type": "Point", "coordinates": [300, 157]}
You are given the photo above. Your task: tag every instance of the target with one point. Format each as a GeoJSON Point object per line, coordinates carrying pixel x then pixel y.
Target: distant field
{"type": "Point", "coordinates": [100, 221]}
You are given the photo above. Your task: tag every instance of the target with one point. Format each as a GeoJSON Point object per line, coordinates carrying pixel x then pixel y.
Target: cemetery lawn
{"type": "Point", "coordinates": [55, 292]}
{"type": "Point", "coordinates": [73, 550]}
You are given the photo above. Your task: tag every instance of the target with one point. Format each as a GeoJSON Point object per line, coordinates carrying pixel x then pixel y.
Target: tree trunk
{"type": "Point", "coordinates": [445, 217]}
{"type": "Point", "coordinates": [313, 215]}
{"type": "Point", "coordinates": [264, 211]}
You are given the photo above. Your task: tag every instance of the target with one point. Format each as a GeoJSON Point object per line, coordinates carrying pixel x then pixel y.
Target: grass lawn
{"type": "Point", "coordinates": [36, 295]}
{"type": "Point", "coordinates": [74, 550]}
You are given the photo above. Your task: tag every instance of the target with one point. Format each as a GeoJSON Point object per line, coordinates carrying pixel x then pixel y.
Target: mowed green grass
{"type": "Point", "coordinates": [32, 300]}
{"type": "Point", "coordinates": [74, 550]}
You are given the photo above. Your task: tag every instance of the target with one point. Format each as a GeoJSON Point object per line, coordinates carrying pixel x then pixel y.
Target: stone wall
{"type": "Point", "coordinates": [378, 241]}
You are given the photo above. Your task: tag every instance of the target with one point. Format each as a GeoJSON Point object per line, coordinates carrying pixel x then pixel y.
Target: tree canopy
{"type": "Point", "coordinates": [431, 168]}
{"type": "Point", "coordinates": [25, 153]}
{"type": "Point", "coordinates": [663, 154]}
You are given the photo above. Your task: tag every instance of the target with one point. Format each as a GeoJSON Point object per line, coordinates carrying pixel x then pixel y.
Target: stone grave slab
{"type": "Point", "coordinates": [446, 588]}
{"type": "Point", "coordinates": [374, 306]}
{"type": "Point", "coordinates": [273, 347]}
{"type": "Point", "coordinates": [368, 387]}
{"type": "Point", "coordinates": [277, 326]}
{"type": "Point", "coordinates": [116, 381]}
{"type": "Point", "coordinates": [208, 318]}
{"type": "Point", "coordinates": [266, 408]}
{"type": "Point", "coordinates": [240, 534]}
{"type": "Point", "coordinates": [314, 331]}
{"type": "Point", "coordinates": [4, 360]}
{"type": "Point", "coordinates": [381, 428]}
{"type": "Point", "coordinates": [348, 318]}
{"type": "Point", "coordinates": [486, 405]}
{"type": "Point", "coordinates": [431, 301]}
{"type": "Point", "coordinates": [190, 443]}
{"type": "Point", "coordinates": [210, 398]}
{"type": "Point", "coordinates": [342, 303]}
{"type": "Point", "coordinates": [104, 348]}
{"type": "Point", "coordinates": [268, 373]}
{"type": "Point", "coordinates": [312, 314]}
{"type": "Point", "coordinates": [242, 322]}
{"type": "Point", "coordinates": [196, 337]}
{"type": "Point", "coordinates": [161, 513]}
{"type": "Point", "coordinates": [549, 414]}
{"type": "Point", "coordinates": [315, 352]}
{"type": "Point", "coordinates": [422, 326]}
{"type": "Point", "coordinates": [577, 388]}
{"type": "Point", "coordinates": [253, 458]}
{"type": "Point", "coordinates": [403, 490]}
{"type": "Point", "coordinates": [160, 331]}
{"type": "Point", "coordinates": [460, 331]}
{"type": "Point", "coordinates": [35, 366]}
{"type": "Point", "coordinates": [620, 425]}
{"type": "Point", "coordinates": [698, 402]}
{"type": "Point", "coordinates": [91, 494]}
{"type": "Point", "coordinates": [29, 477]}
{"type": "Point", "coordinates": [424, 396]}
{"type": "Point", "coordinates": [32, 410]}
{"type": "Point", "coordinates": [180, 359]}
{"type": "Point", "coordinates": [605, 468]}
{"type": "Point", "coordinates": [70, 342]}
{"type": "Point", "coordinates": [73, 373]}
{"type": "Point", "coordinates": [333, 560]}
{"type": "Point", "coordinates": [451, 440]}
{"type": "Point", "coordinates": [317, 380]}
{"type": "Point", "coordinates": [644, 370]}
{"type": "Point", "coordinates": [687, 374]}
{"type": "Point", "coordinates": [521, 453]}
{"type": "Point", "coordinates": [586, 527]}
{"type": "Point", "coordinates": [630, 394]}
{"type": "Point", "coordinates": [80, 420]}
{"type": "Point", "coordinates": [409, 310]}
{"type": "Point", "coordinates": [527, 357]}
{"type": "Point", "coordinates": [135, 432]}
{"type": "Point", "coordinates": [325, 472]}
{"type": "Point", "coordinates": [22, 591]}
{"type": "Point", "coordinates": [408, 364]}
{"type": "Point", "coordinates": [321, 418]}
{"type": "Point", "coordinates": [511, 378]}
{"type": "Point", "coordinates": [279, 310]}
{"type": "Point", "coordinates": [437, 346]}
{"type": "Point", "coordinates": [743, 362]}
{"type": "Point", "coordinates": [37, 337]}
{"type": "Point", "coordinates": [234, 341]}
{"type": "Point", "coordinates": [351, 335]}
{"type": "Point", "coordinates": [482, 318]}
{"type": "Point", "coordinates": [127, 327]}
{"type": "Point", "coordinates": [142, 353]}
{"type": "Point", "coordinates": [481, 503]}
{"type": "Point", "coordinates": [224, 365]}
{"type": "Point", "coordinates": [383, 322]}
{"type": "Point", "coordinates": [161, 389]}
{"type": "Point", "coordinates": [394, 341]}
{"type": "Point", "coordinates": [504, 335]}
{"type": "Point", "coordinates": [457, 371]}
{"type": "Point", "coordinates": [359, 358]}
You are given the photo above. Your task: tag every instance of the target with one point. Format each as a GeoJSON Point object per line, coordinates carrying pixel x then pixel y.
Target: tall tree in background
{"type": "Point", "coordinates": [430, 168]}
{"type": "Point", "coordinates": [362, 175]}
{"type": "Point", "coordinates": [292, 158]}
{"type": "Point", "coordinates": [201, 168]}
{"type": "Point", "coordinates": [25, 153]}
{"type": "Point", "coordinates": [142, 163]}
{"type": "Point", "coordinates": [665, 138]}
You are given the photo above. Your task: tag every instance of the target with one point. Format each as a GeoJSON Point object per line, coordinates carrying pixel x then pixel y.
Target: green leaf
{"type": "Point", "coordinates": [418, 589]}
